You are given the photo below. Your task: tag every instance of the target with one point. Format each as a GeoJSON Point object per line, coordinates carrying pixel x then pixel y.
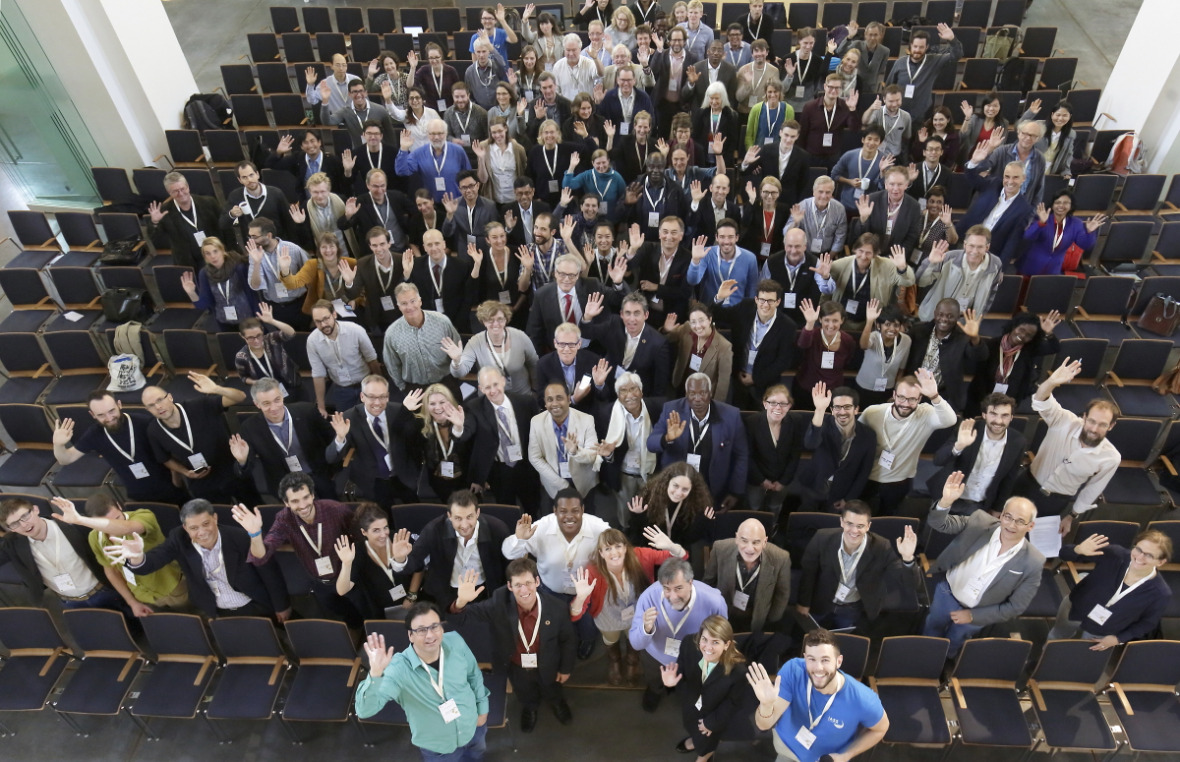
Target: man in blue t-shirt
{"type": "Point", "coordinates": [814, 708]}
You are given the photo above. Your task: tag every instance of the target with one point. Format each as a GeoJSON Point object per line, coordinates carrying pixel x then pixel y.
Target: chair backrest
{"type": "Point", "coordinates": [330, 44]}
{"type": "Point", "coordinates": [914, 657]}
{"type": "Point", "coordinates": [22, 355]}
{"type": "Point", "coordinates": [99, 630]}
{"type": "Point", "coordinates": [75, 352]}
{"type": "Point", "coordinates": [177, 634]}
{"type": "Point", "coordinates": [893, 528]}
{"type": "Point", "coordinates": [316, 20]}
{"type": "Point", "coordinates": [1141, 359]}
{"type": "Point", "coordinates": [167, 515]}
{"type": "Point", "coordinates": [284, 18]}
{"type": "Point", "coordinates": [1141, 192]}
{"type": "Point", "coordinates": [1118, 532]}
{"type": "Point", "coordinates": [350, 20]}
{"type": "Point", "coordinates": [415, 516]}
{"type": "Point", "coordinates": [871, 11]}
{"type": "Point", "coordinates": [24, 288]}
{"type": "Point", "coordinates": [725, 525]}
{"type": "Point", "coordinates": [1071, 661]}
{"type": "Point", "coordinates": [366, 46]}
{"type": "Point", "coordinates": [32, 229]}
{"type": "Point", "coordinates": [855, 650]}
{"type": "Point", "coordinates": [1126, 241]}
{"type": "Point", "coordinates": [1107, 295]}
{"type": "Point", "coordinates": [1049, 292]}
{"type": "Point", "coordinates": [297, 48]}
{"type": "Point", "coordinates": [394, 632]}
{"type": "Point", "coordinates": [1007, 296]}
{"type": "Point", "coordinates": [27, 425]}
{"type": "Point", "coordinates": [1091, 353]}
{"type": "Point", "coordinates": [478, 637]}
{"type": "Point", "coordinates": [993, 659]}
{"type": "Point", "coordinates": [118, 225]}
{"type": "Point", "coordinates": [1170, 528]}
{"type": "Point", "coordinates": [1094, 193]}
{"type": "Point", "coordinates": [1135, 438]}
{"type": "Point", "coordinates": [24, 627]}
{"type": "Point", "coordinates": [382, 20]}
{"type": "Point", "coordinates": [189, 350]}
{"type": "Point", "coordinates": [509, 514]}
{"type": "Point", "coordinates": [1149, 287]}
{"type": "Point", "coordinates": [245, 636]}
{"type": "Point", "coordinates": [78, 229]}
{"type": "Point", "coordinates": [1149, 662]}
{"type": "Point", "coordinates": [320, 639]}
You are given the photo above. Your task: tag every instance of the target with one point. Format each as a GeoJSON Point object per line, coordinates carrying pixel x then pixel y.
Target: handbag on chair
{"type": "Point", "coordinates": [1161, 316]}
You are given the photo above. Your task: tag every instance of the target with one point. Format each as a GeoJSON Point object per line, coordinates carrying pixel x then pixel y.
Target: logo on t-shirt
{"type": "Point", "coordinates": [838, 723]}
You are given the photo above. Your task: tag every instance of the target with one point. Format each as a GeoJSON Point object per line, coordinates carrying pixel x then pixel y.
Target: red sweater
{"type": "Point", "coordinates": [649, 559]}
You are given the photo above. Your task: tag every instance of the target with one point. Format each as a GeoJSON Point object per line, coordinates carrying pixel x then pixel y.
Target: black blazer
{"type": "Point", "coordinates": [295, 163]}
{"type": "Point", "coordinates": [1022, 380]}
{"type": "Point", "coordinates": [775, 354]}
{"type": "Point", "coordinates": [660, 69]}
{"type": "Point", "coordinates": [1008, 232]}
{"type": "Point", "coordinates": [549, 372]}
{"type": "Point", "coordinates": [849, 475]}
{"type": "Point", "coordinates": [458, 227]}
{"type": "Point", "coordinates": [400, 211]}
{"type": "Point", "coordinates": [956, 357]}
{"type": "Point", "coordinates": [721, 696]}
{"type": "Point", "coordinates": [879, 570]}
{"type": "Point", "coordinates": [556, 647]}
{"type": "Point", "coordinates": [459, 289]}
{"type": "Point", "coordinates": [653, 357]}
{"type": "Point", "coordinates": [367, 284]}
{"type": "Point", "coordinates": [727, 124]}
{"type": "Point", "coordinates": [1000, 488]}
{"type": "Point", "coordinates": [516, 236]}
{"type": "Point", "coordinates": [311, 430]}
{"type": "Point", "coordinates": [276, 207]}
{"type": "Point", "coordinates": [676, 291]}
{"type": "Point", "coordinates": [176, 234]}
{"type": "Point", "coordinates": [434, 553]}
{"type": "Point", "coordinates": [263, 584]}
{"type": "Point", "coordinates": [545, 311]}
{"type": "Point", "coordinates": [906, 228]}
{"type": "Point", "coordinates": [15, 548]}
{"type": "Point", "coordinates": [702, 222]}
{"type": "Point", "coordinates": [796, 178]}
{"type": "Point", "coordinates": [629, 160]}
{"type": "Point", "coordinates": [418, 224]}
{"type": "Point", "coordinates": [805, 286]}
{"type": "Point", "coordinates": [768, 461]}
{"type": "Point", "coordinates": [487, 434]}
{"type": "Point", "coordinates": [539, 166]}
{"type": "Point", "coordinates": [362, 469]}
{"type": "Point", "coordinates": [752, 225]}
{"type": "Point", "coordinates": [387, 162]}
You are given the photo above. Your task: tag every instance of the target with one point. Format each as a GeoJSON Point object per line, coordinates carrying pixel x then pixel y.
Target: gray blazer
{"type": "Point", "coordinates": [1013, 588]}
{"type": "Point", "coordinates": [833, 231]}
{"type": "Point", "coordinates": [946, 278]}
{"type": "Point", "coordinates": [1064, 155]}
{"type": "Point", "coordinates": [774, 580]}
{"type": "Point", "coordinates": [872, 65]}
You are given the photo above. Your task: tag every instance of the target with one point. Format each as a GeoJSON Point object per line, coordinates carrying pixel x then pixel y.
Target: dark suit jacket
{"type": "Point", "coordinates": [805, 286]}
{"type": "Point", "coordinates": [729, 461]}
{"type": "Point", "coordinates": [176, 234]}
{"type": "Point", "coordinates": [1022, 379]}
{"type": "Point", "coordinates": [545, 311]}
{"type": "Point", "coordinates": [726, 75]}
{"type": "Point", "coordinates": [702, 222]}
{"type": "Point", "coordinates": [1013, 588]}
{"type": "Point", "coordinates": [753, 224]}
{"type": "Point", "coordinates": [516, 236]}
{"type": "Point", "coordinates": [849, 475]}
{"type": "Point", "coordinates": [629, 161]}
{"type": "Point", "coordinates": [362, 469]}
{"type": "Point", "coordinates": [311, 430]}
{"type": "Point", "coordinates": [549, 372]}
{"type": "Point", "coordinates": [777, 463]}
{"type": "Point", "coordinates": [721, 695]}
{"type": "Point", "coordinates": [796, 178]}
{"type": "Point", "coordinates": [774, 580]}
{"type": "Point", "coordinates": [653, 357]}
{"type": "Point", "coordinates": [611, 109]}
{"type": "Point", "coordinates": [728, 125]}
{"type": "Point", "coordinates": [368, 284]}
{"type": "Point", "coordinates": [660, 69]}
{"type": "Point", "coordinates": [459, 289]}
{"type": "Point", "coordinates": [775, 353]}
{"type": "Point", "coordinates": [276, 207]}
{"type": "Point", "coordinates": [1000, 488]}
{"type": "Point", "coordinates": [295, 162]}
{"type": "Point", "coordinates": [880, 569]}
{"type": "Point", "coordinates": [1008, 232]}
{"type": "Point", "coordinates": [538, 169]}
{"type": "Point", "coordinates": [675, 292]}
{"type": "Point", "coordinates": [262, 583]}
{"type": "Point", "coordinates": [956, 356]}
{"type": "Point", "coordinates": [487, 435]}
{"type": "Point", "coordinates": [532, 124]}
{"type": "Point", "coordinates": [556, 646]}
{"type": "Point", "coordinates": [434, 552]}
{"type": "Point", "coordinates": [458, 227]}
{"type": "Point", "coordinates": [400, 212]}
{"type": "Point", "coordinates": [15, 548]}
{"type": "Point", "coordinates": [906, 227]}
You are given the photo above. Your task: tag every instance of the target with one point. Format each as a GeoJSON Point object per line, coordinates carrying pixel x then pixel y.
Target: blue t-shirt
{"type": "Point", "coordinates": [854, 707]}
{"type": "Point", "coordinates": [498, 38]}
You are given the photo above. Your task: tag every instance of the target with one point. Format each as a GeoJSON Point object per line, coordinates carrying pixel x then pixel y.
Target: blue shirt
{"type": "Point", "coordinates": [706, 602]}
{"type": "Point", "coordinates": [499, 41]}
{"type": "Point", "coordinates": [283, 434]}
{"type": "Point", "coordinates": [855, 706]}
{"type": "Point", "coordinates": [422, 162]}
{"type": "Point", "coordinates": [711, 271]}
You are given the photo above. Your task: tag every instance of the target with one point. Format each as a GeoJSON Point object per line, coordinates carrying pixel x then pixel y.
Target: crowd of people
{"type": "Point", "coordinates": [541, 284]}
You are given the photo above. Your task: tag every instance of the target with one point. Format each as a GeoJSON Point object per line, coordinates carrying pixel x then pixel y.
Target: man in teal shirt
{"type": "Point", "coordinates": [438, 684]}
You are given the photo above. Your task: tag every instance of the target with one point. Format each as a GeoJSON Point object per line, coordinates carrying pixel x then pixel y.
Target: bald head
{"type": "Point", "coordinates": [1016, 520]}
{"type": "Point", "coordinates": [158, 402]}
{"type": "Point", "coordinates": [795, 244]}
{"type": "Point", "coordinates": [751, 541]}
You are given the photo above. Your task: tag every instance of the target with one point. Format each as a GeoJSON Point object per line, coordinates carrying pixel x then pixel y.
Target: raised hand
{"type": "Point", "coordinates": [852, 100]}
{"type": "Point", "coordinates": [945, 216]}
{"type": "Point", "coordinates": [698, 249]}
{"type": "Point", "coordinates": [669, 323]}
{"type": "Point", "coordinates": [669, 673]}
{"type": "Point", "coordinates": [345, 550]}
{"type": "Point", "coordinates": [455, 414]}
{"type": "Point", "coordinates": [539, 109]}
{"type": "Point", "coordinates": [662, 146]}
{"type": "Point", "coordinates": [1042, 212]}
{"type": "Point", "coordinates": [897, 254]}
{"type": "Point", "coordinates": [981, 152]}
{"type": "Point", "coordinates": [823, 266]}
{"type": "Point", "coordinates": [256, 252]}
{"type": "Point", "coordinates": [636, 237]}
{"type": "Point", "coordinates": [636, 505]}
{"type": "Point", "coordinates": [966, 436]}
{"type": "Point", "coordinates": [1065, 372]}
{"type": "Point", "coordinates": [188, 284]}
{"type": "Point", "coordinates": [325, 91]}
{"type": "Point", "coordinates": [864, 207]}
{"type": "Point", "coordinates": [945, 32]}
{"type": "Point", "coordinates": [971, 323]}
{"type": "Point", "coordinates": [202, 383]}
{"type": "Point", "coordinates": [821, 397]}
{"type": "Point", "coordinates": [479, 148]}
{"type": "Point", "coordinates": [69, 511]}
{"type": "Point", "coordinates": [938, 252]}
{"type": "Point", "coordinates": [347, 272]}
{"type": "Point", "coordinates": [810, 312]}
{"type": "Point", "coordinates": [407, 263]}
{"type": "Point", "coordinates": [657, 539]}
{"type": "Point", "coordinates": [967, 109]}
{"type": "Point", "coordinates": [580, 129]}
{"type": "Point", "coordinates": [649, 620]}
{"type": "Point", "coordinates": [693, 74]}
{"type": "Point", "coordinates": [413, 400]}
{"type": "Point", "coordinates": [953, 489]}
{"type": "Point", "coordinates": [341, 426]}
{"type": "Point", "coordinates": [876, 105]}
{"type": "Point", "coordinates": [927, 383]}
{"type": "Point", "coordinates": [406, 142]}
{"type": "Point", "coordinates": [765, 689]}
{"type": "Point", "coordinates": [454, 350]}
{"type": "Point", "coordinates": [297, 216]}
{"type": "Point", "coordinates": [309, 75]}
{"type": "Point", "coordinates": [907, 544]}
{"type": "Point", "coordinates": [751, 156]}
{"type": "Point", "coordinates": [348, 158]}
{"type": "Point", "coordinates": [1095, 222]}
{"type": "Point", "coordinates": [525, 528]}
{"type": "Point", "coordinates": [450, 203]}
{"type": "Point", "coordinates": [618, 268]}
{"type": "Point", "coordinates": [923, 134]}
{"type": "Point", "coordinates": [718, 144]}
{"type": "Point", "coordinates": [873, 310]}
{"type": "Point", "coordinates": [249, 520]}
{"type": "Point", "coordinates": [583, 585]}
{"type": "Point", "coordinates": [379, 655]}
{"type": "Point", "coordinates": [887, 161]}
{"type": "Point", "coordinates": [632, 194]}
{"type": "Point", "coordinates": [567, 198]}
{"type": "Point", "coordinates": [1092, 545]}
{"type": "Point", "coordinates": [599, 373]}
{"type": "Point", "coordinates": [401, 545]}
{"type": "Point", "coordinates": [697, 191]}
{"type": "Point", "coordinates": [526, 258]}
{"type": "Point", "coordinates": [63, 431]}
{"type": "Point", "coordinates": [609, 128]}
{"type": "Point", "coordinates": [239, 448]}
{"type": "Point", "coordinates": [125, 549]}
{"type": "Point", "coordinates": [1050, 321]}
{"type": "Point", "coordinates": [675, 427]}
{"type": "Point", "coordinates": [412, 62]}
{"type": "Point", "coordinates": [725, 290]}
{"type": "Point", "coordinates": [468, 590]}
{"type": "Point", "coordinates": [156, 212]}
{"type": "Point", "coordinates": [797, 214]}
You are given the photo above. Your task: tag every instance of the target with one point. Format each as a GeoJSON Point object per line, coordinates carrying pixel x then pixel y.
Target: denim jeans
{"type": "Point", "coordinates": [939, 624]}
{"type": "Point", "coordinates": [471, 752]}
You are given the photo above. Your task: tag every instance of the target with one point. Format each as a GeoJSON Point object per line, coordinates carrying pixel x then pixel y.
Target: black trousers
{"type": "Point", "coordinates": [516, 484]}
{"type": "Point", "coordinates": [886, 499]}
{"type": "Point", "coordinates": [1048, 504]}
{"type": "Point", "coordinates": [530, 688]}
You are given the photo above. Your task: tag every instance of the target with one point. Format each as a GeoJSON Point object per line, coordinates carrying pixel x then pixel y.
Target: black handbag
{"type": "Point", "coordinates": [122, 304]}
{"type": "Point", "coordinates": [124, 251]}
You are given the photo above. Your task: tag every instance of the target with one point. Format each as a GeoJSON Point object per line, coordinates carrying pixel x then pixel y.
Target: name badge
{"type": "Point", "coordinates": [199, 237]}
{"type": "Point", "coordinates": [449, 710]}
{"type": "Point", "coordinates": [438, 305]}
{"type": "Point", "coordinates": [740, 600]}
{"type": "Point", "coordinates": [293, 463]}
{"type": "Point", "coordinates": [323, 566]}
{"type": "Point", "coordinates": [139, 470]}
{"type": "Point", "coordinates": [619, 370]}
{"type": "Point", "coordinates": [671, 646]}
{"type": "Point", "coordinates": [603, 207]}
{"type": "Point", "coordinates": [886, 459]}
{"type": "Point", "coordinates": [197, 461]}
{"type": "Point", "coordinates": [829, 138]}
{"type": "Point", "coordinates": [879, 384]}
{"type": "Point", "coordinates": [694, 362]}
{"type": "Point", "coordinates": [514, 453]}
{"type": "Point", "coordinates": [827, 360]}
{"type": "Point", "coordinates": [673, 84]}
{"type": "Point", "coordinates": [128, 576]}
{"type": "Point", "coordinates": [765, 250]}
{"type": "Point", "coordinates": [800, 91]}
{"type": "Point", "coordinates": [283, 389]}
{"type": "Point", "coordinates": [1000, 389]}
{"type": "Point", "coordinates": [699, 703]}
{"type": "Point", "coordinates": [230, 314]}
{"type": "Point", "coordinates": [584, 383]}
{"type": "Point", "coordinates": [817, 244]}
{"type": "Point", "coordinates": [1099, 614]}
{"type": "Point", "coordinates": [554, 186]}
{"type": "Point", "coordinates": [768, 141]}
{"type": "Point", "coordinates": [563, 469]}
{"type": "Point", "coordinates": [442, 105]}
{"type": "Point", "coordinates": [805, 738]}
{"type": "Point", "coordinates": [694, 460]}
{"type": "Point", "coordinates": [440, 184]}
{"type": "Point", "coordinates": [842, 592]}
{"type": "Point", "coordinates": [964, 302]}
{"type": "Point", "coordinates": [447, 469]}
{"type": "Point", "coordinates": [65, 583]}
{"type": "Point", "coordinates": [751, 356]}
{"type": "Point", "coordinates": [505, 297]}
{"type": "Point", "coordinates": [281, 290]}
{"type": "Point", "coordinates": [909, 91]}
{"type": "Point", "coordinates": [466, 139]}
{"type": "Point", "coordinates": [528, 95]}
{"type": "Point", "coordinates": [789, 300]}
{"type": "Point", "coordinates": [653, 219]}
{"type": "Point", "coordinates": [625, 128]}
{"type": "Point", "coordinates": [852, 305]}
{"type": "Point", "coordinates": [528, 661]}
{"type": "Point", "coordinates": [396, 593]}
{"type": "Point", "coordinates": [387, 303]}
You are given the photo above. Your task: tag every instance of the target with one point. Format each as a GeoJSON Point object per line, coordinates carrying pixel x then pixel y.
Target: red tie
{"type": "Point", "coordinates": [569, 311]}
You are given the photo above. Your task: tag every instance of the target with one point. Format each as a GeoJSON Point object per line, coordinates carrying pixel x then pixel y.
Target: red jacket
{"type": "Point", "coordinates": [649, 559]}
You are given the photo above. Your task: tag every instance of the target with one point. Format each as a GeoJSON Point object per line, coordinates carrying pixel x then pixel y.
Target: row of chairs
{"type": "Point", "coordinates": [231, 668]}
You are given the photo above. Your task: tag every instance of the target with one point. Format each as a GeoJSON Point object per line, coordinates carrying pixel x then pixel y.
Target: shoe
{"type": "Point", "coordinates": [651, 701]}
{"type": "Point", "coordinates": [614, 675]}
{"type": "Point", "coordinates": [585, 650]}
{"type": "Point", "coordinates": [561, 710]}
{"type": "Point", "coordinates": [634, 668]}
{"type": "Point", "coordinates": [683, 746]}
{"type": "Point", "coordinates": [528, 720]}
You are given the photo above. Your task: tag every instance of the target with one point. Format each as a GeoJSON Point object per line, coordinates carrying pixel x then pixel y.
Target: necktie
{"type": "Point", "coordinates": [382, 454]}
{"type": "Point", "coordinates": [526, 219]}
{"type": "Point", "coordinates": [504, 440]}
{"type": "Point", "coordinates": [569, 308]}
{"type": "Point", "coordinates": [438, 279]}
{"type": "Point", "coordinates": [629, 351]}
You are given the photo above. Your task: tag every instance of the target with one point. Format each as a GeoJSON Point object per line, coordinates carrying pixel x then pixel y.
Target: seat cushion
{"type": "Point", "coordinates": [172, 690]}
{"type": "Point", "coordinates": [95, 687]}
{"type": "Point", "coordinates": [88, 471]}
{"type": "Point", "coordinates": [1074, 720]}
{"type": "Point", "coordinates": [1153, 726]}
{"type": "Point", "coordinates": [915, 715]}
{"type": "Point", "coordinates": [1142, 402]}
{"type": "Point", "coordinates": [1132, 485]}
{"type": "Point", "coordinates": [319, 693]}
{"type": "Point", "coordinates": [26, 468]}
{"type": "Point", "coordinates": [993, 717]}
{"type": "Point", "coordinates": [24, 390]}
{"type": "Point", "coordinates": [243, 693]}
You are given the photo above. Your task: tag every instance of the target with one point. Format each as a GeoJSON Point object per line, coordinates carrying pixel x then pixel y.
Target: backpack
{"type": "Point", "coordinates": [207, 111]}
{"type": "Point", "coordinates": [126, 367]}
{"type": "Point", "coordinates": [1004, 43]}
{"type": "Point", "coordinates": [1126, 155]}
{"type": "Point", "coordinates": [1017, 74]}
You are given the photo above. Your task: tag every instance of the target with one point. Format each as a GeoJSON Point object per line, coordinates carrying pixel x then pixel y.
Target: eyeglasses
{"type": "Point", "coordinates": [376, 397]}
{"type": "Point", "coordinates": [763, 300]}
{"type": "Point", "coordinates": [566, 276]}
{"type": "Point", "coordinates": [776, 405]}
{"type": "Point", "coordinates": [468, 187]}
{"type": "Point", "coordinates": [1148, 557]}
{"type": "Point", "coordinates": [253, 338]}
{"type": "Point", "coordinates": [910, 400]}
{"type": "Point", "coordinates": [1029, 134]}
{"type": "Point", "coordinates": [22, 521]}
{"type": "Point", "coordinates": [1008, 518]}
{"type": "Point", "coordinates": [428, 629]}
{"type": "Point", "coordinates": [842, 408]}
{"type": "Point", "coordinates": [566, 344]}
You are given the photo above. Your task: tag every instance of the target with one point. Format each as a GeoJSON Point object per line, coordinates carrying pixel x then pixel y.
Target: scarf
{"type": "Point", "coordinates": [1007, 357]}
{"type": "Point", "coordinates": [616, 434]}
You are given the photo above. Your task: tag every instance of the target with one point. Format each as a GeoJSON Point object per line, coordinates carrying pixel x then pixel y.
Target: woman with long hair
{"type": "Point", "coordinates": [508, 109]}
{"type": "Point", "coordinates": [544, 35]}
{"type": "Point", "coordinates": [716, 117]}
{"type": "Point", "coordinates": [221, 286]}
{"type": "Point", "coordinates": [524, 75]}
{"type": "Point", "coordinates": [417, 115]}
{"type": "Point", "coordinates": [677, 501]}
{"type": "Point", "coordinates": [432, 423]}
{"type": "Point", "coordinates": [710, 676]}
{"type": "Point", "coordinates": [500, 161]}
{"type": "Point", "coordinates": [700, 348]}
{"type": "Point", "coordinates": [366, 568]}
{"type": "Point", "coordinates": [1057, 144]}
{"type": "Point", "coordinates": [384, 68]}
{"type": "Point", "coordinates": [941, 125]}
{"type": "Point", "coordinates": [978, 127]}
{"type": "Point", "coordinates": [609, 586]}
{"type": "Point", "coordinates": [622, 27]}
{"type": "Point", "coordinates": [324, 276]}
{"type": "Point", "coordinates": [1013, 363]}
{"type": "Point", "coordinates": [497, 346]}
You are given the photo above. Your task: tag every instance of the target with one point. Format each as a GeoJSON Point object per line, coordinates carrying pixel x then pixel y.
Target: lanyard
{"type": "Point", "coordinates": [768, 229]}
{"type": "Point", "coordinates": [438, 82]}
{"type": "Point", "coordinates": [187, 428]}
{"type": "Point", "coordinates": [528, 644]}
{"type": "Point", "coordinates": [756, 33]}
{"type": "Point", "coordinates": [798, 63]}
{"type": "Point", "coordinates": [815, 720]}
{"type": "Point", "coordinates": [501, 275]}
{"type": "Point", "coordinates": [594, 179]}
{"type": "Point", "coordinates": [792, 273]}
{"type": "Point", "coordinates": [832, 118]}
{"type": "Point", "coordinates": [1123, 592]}
{"type": "Point", "coordinates": [319, 528]}
{"type": "Point", "coordinates": [693, 41]}
{"type": "Point", "coordinates": [913, 75]}
{"type": "Point", "coordinates": [687, 610]}
{"type": "Point", "coordinates": [827, 343]}
{"type": "Point", "coordinates": [658, 201]}
{"type": "Point", "coordinates": [438, 165]}
{"type": "Point", "coordinates": [742, 585]}
{"type": "Point", "coordinates": [290, 435]}
{"type": "Point", "coordinates": [130, 456]}
{"type": "Point", "coordinates": [441, 268]}
{"type": "Point", "coordinates": [769, 122]}
{"type": "Point", "coordinates": [754, 344]}
{"type": "Point", "coordinates": [1059, 231]}
{"type": "Point", "coordinates": [896, 120]}
{"type": "Point", "coordinates": [926, 228]}
{"type": "Point", "coordinates": [384, 438]}
{"type": "Point", "coordinates": [479, 76]}
{"type": "Point", "coordinates": [700, 350]}
{"type": "Point", "coordinates": [704, 429]}
{"type": "Point", "coordinates": [385, 283]}
{"type": "Point", "coordinates": [670, 521]}
{"type": "Point", "coordinates": [846, 576]}
{"type": "Point", "coordinates": [361, 119]}
{"type": "Point", "coordinates": [438, 687]}
{"type": "Point", "coordinates": [261, 203]}
{"type": "Point", "coordinates": [734, 56]}
{"type": "Point", "coordinates": [369, 155]}
{"type": "Point", "coordinates": [857, 288]}
{"type": "Point", "coordinates": [184, 216]}
{"type": "Point", "coordinates": [547, 271]}
{"type": "Point", "coordinates": [1011, 366]}
{"type": "Point", "coordinates": [387, 565]}
{"type": "Point", "coordinates": [463, 125]}
{"type": "Point", "coordinates": [926, 176]}
{"type": "Point", "coordinates": [545, 156]}
{"type": "Point", "coordinates": [715, 121]}
{"type": "Point", "coordinates": [447, 448]}
{"type": "Point", "coordinates": [641, 156]}
{"type": "Point", "coordinates": [332, 288]}
{"type": "Point", "coordinates": [819, 221]}
{"type": "Point", "coordinates": [889, 440]}
{"type": "Point", "coordinates": [860, 159]}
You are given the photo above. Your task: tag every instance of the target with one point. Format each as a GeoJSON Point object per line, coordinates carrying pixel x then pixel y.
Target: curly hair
{"type": "Point", "coordinates": [659, 508]}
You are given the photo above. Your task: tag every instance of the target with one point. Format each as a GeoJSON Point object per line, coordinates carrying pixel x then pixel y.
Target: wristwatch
{"type": "Point", "coordinates": [412, 597]}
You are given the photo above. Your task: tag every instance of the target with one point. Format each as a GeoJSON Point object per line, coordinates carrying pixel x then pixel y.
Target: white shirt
{"type": "Point", "coordinates": [998, 211]}
{"type": "Point", "coordinates": [971, 578]}
{"type": "Point", "coordinates": [344, 359]}
{"type": "Point", "coordinates": [572, 80]}
{"type": "Point", "coordinates": [467, 557]}
{"type": "Point", "coordinates": [556, 557]}
{"type": "Point", "coordinates": [56, 558]}
{"type": "Point", "coordinates": [985, 466]}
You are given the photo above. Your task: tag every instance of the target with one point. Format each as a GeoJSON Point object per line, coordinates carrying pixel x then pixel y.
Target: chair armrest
{"type": "Point", "coordinates": [1168, 465]}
